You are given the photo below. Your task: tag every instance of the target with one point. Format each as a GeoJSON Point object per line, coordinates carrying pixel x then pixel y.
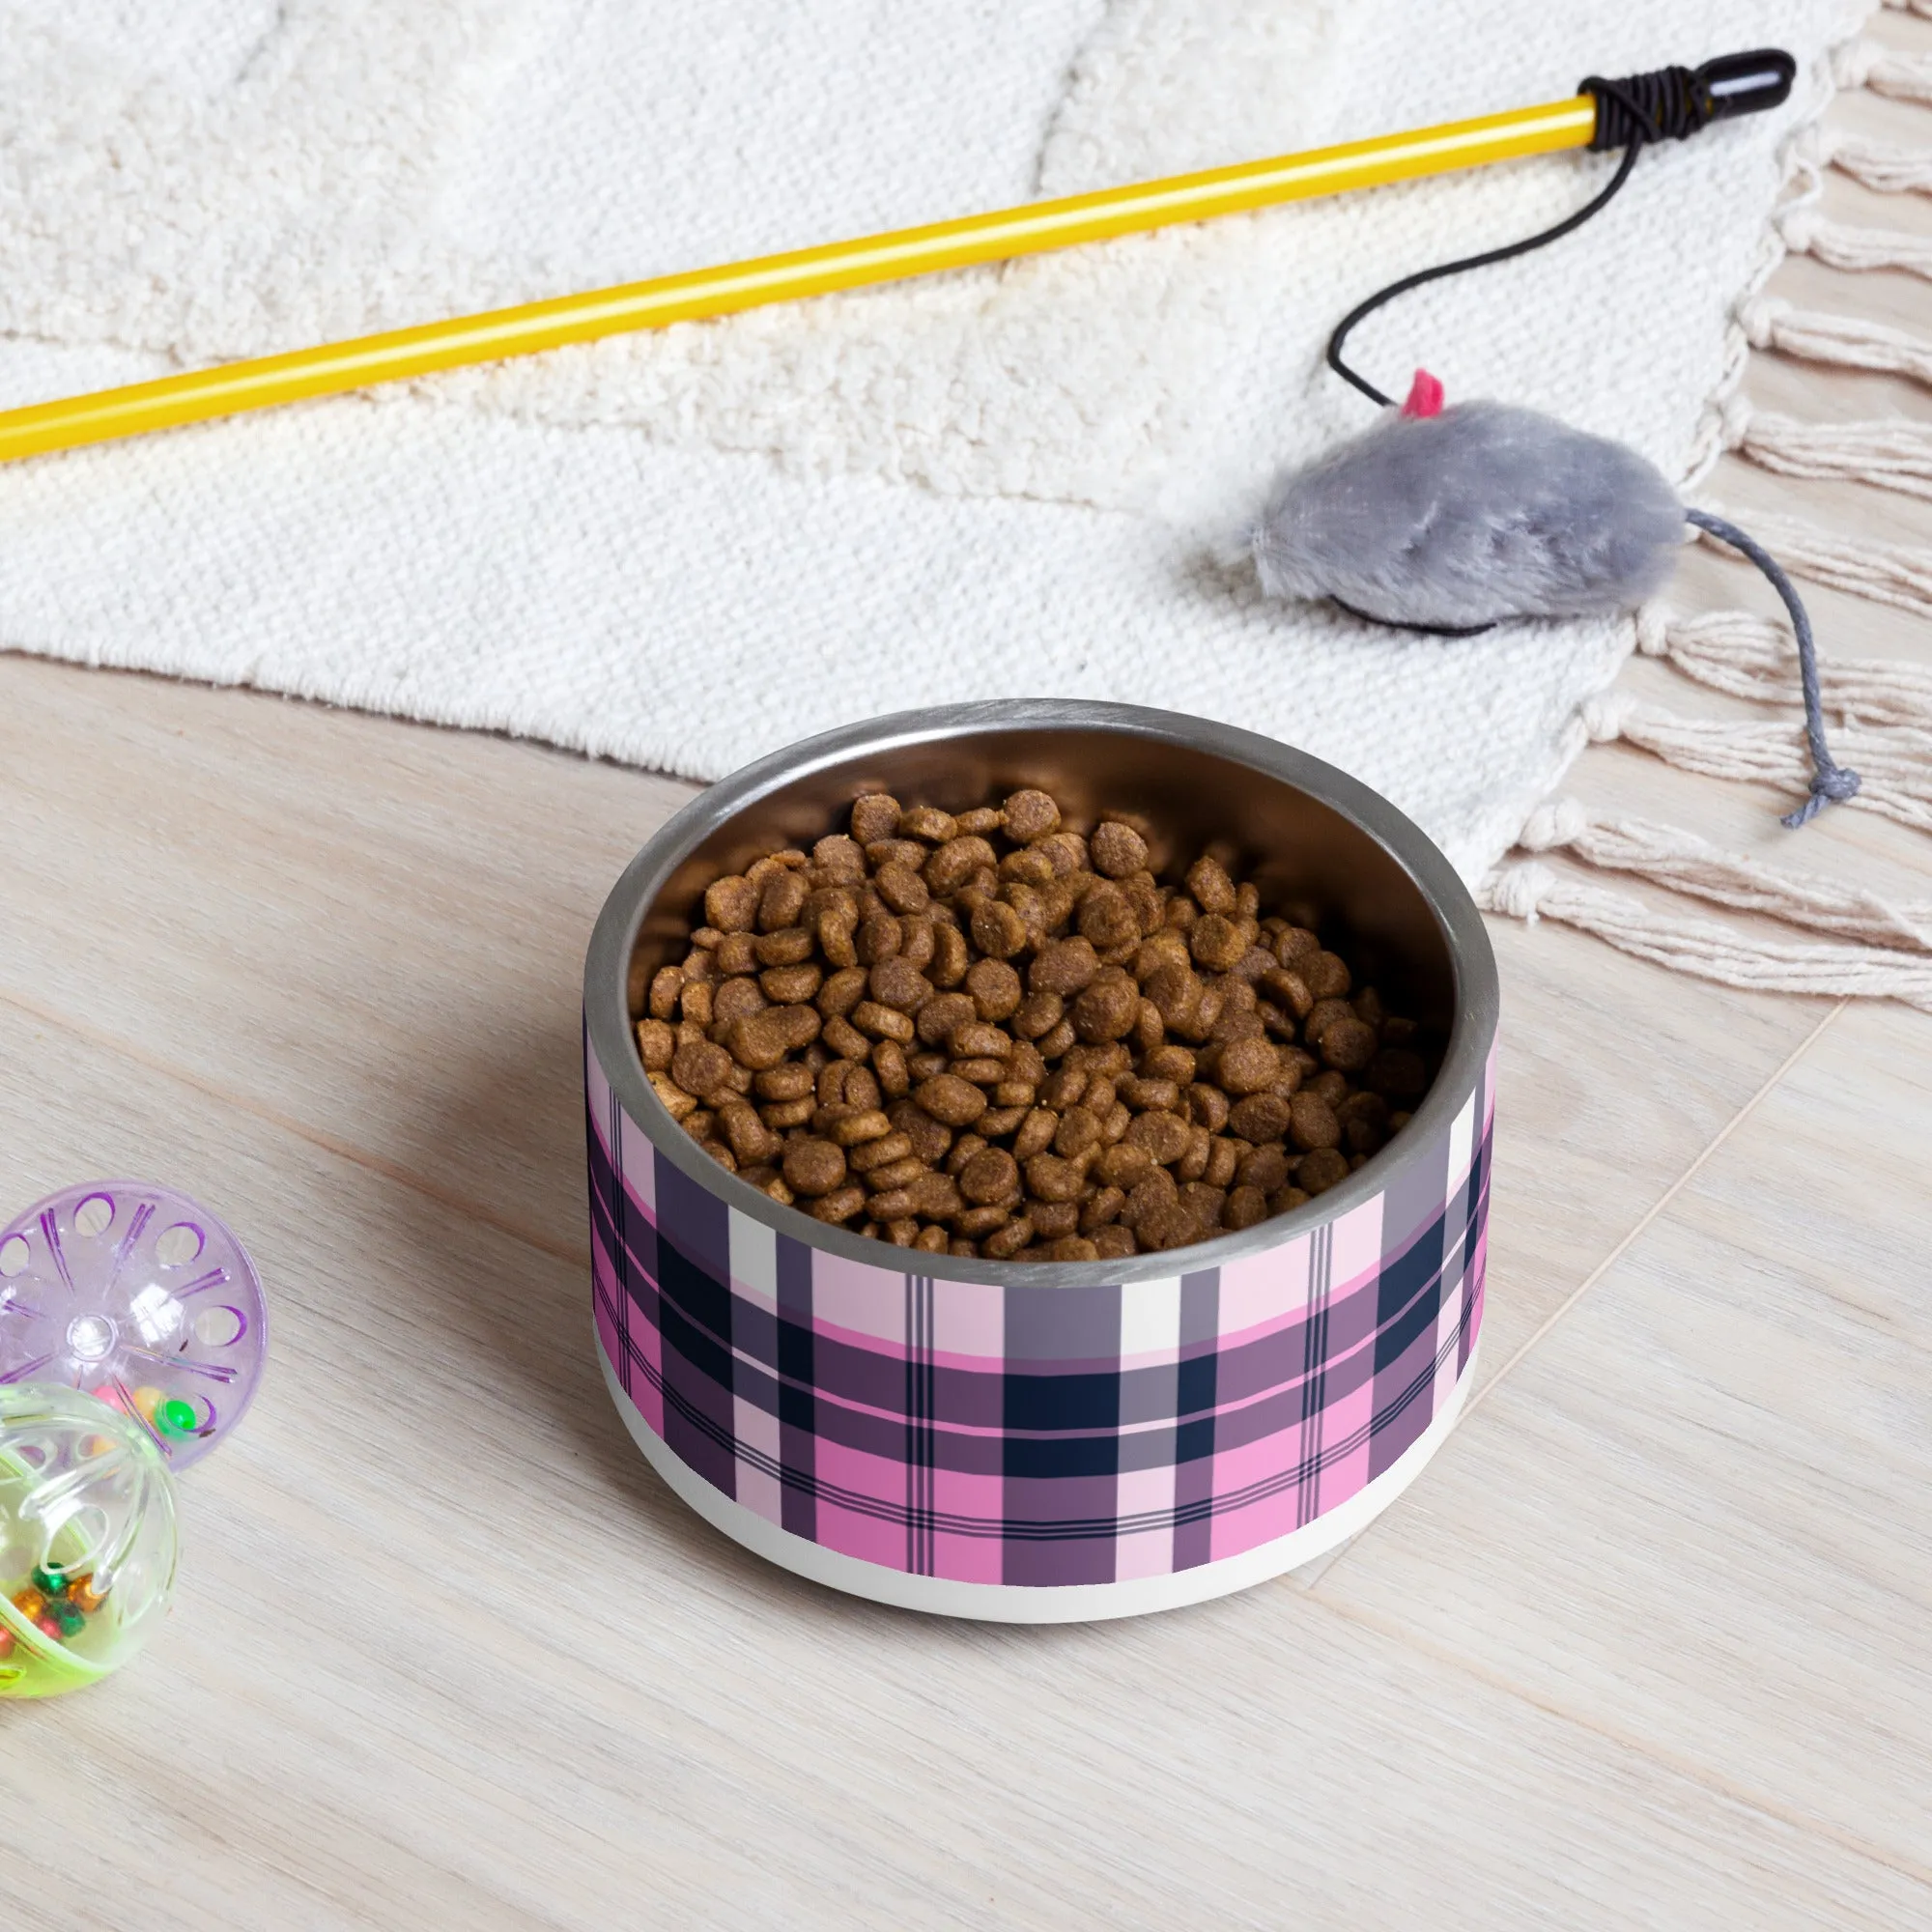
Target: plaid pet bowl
{"type": "Point", "coordinates": [1035, 1441]}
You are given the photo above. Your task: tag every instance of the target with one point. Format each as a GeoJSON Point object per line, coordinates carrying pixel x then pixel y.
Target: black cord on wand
{"type": "Point", "coordinates": [1670, 105]}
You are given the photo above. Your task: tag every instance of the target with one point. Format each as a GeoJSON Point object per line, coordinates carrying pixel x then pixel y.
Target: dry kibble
{"type": "Point", "coordinates": [874, 816]}
{"type": "Point", "coordinates": [879, 1021]}
{"type": "Point", "coordinates": [1349, 1045]}
{"type": "Point", "coordinates": [1063, 966]}
{"type": "Point", "coordinates": [1312, 1122]}
{"type": "Point", "coordinates": [1216, 942]}
{"type": "Point", "coordinates": [902, 888]}
{"type": "Point", "coordinates": [951, 1101]}
{"type": "Point", "coordinates": [731, 904]}
{"type": "Point", "coordinates": [1118, 850]}
{"type": "Point", "coordinates": [1248, 1066]}
{"type": "Point", "coordinates": [1108, 1007]}
{"type": "Point", "coordinates": [1326, 975]}
{"type": "Point", "coordinates": [737, 952]}
{"type": "Point", "coordinates": [1243, 1208]}
{"type": "Point", "coordinates": [781, 901]}
{"type": "Point", "coordinates": [814, 1167]}
{"type": "Point", "coordinates": [701, 1068]}
{"type": "Point", "coordinates": [1028, 815]}
{"type": "Point", "coordinates": [656, 1043]}
{"type": "Point", "coordinates": [989, 1034]}
{"type": "Point", "coordinates": [998, 930]}
{"type": "Point", "coordinates": [1320, 1169]}
{"type": "Point", "coordinates": [1209, 886]}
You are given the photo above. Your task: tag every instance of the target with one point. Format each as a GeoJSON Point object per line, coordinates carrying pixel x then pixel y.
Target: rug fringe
{"type": "Point", "coordinates": [1878, 165]}
{"type": "Point", "coordinates": [1847, 342]}
{"type": "Point", "coordinates": [1876, 948]}
{"type": "Point", "coordinates": [1895, 573]}
{"type": "Point", "coordinates": [1895, 764]}
{"type": "Point", "coordinates": [1692, 866]}
{"type": "Point", "coordinates": [1839, 245]}
{"type": "Point", "coordinates": [1895, 454]}
{"type": "Point", "coordinates": [1747, 656]}
{"type": "Point", "coordinates": [1528, 889]}
{"type": "Point", "coordinates": [1883, 70]}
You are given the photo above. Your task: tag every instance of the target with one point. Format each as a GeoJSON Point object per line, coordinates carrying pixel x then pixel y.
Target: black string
{"type": "Point", "coordinates": [1632, 100]}
{"type": "Point", "coordinates": [1671, 104]}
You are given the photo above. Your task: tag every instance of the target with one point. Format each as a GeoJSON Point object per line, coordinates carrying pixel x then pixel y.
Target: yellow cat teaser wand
{"type": "Point", "coordinates": [1737, 84]}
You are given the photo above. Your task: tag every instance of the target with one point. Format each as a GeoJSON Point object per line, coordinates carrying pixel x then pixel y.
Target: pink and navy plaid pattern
{"type": "Point", "coordinates": [1037, 1435]}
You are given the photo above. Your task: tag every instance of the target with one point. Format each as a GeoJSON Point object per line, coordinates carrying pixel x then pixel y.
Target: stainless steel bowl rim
{"type": "Point", "coordinates": [607, 968]}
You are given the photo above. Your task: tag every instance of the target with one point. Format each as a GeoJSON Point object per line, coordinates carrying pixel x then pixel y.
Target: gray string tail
{"type": "Point", "coordinates": [1831, 781]}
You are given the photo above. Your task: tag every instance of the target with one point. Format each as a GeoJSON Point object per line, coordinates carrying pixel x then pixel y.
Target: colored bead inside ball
{"type": "Point", "coordinates": [87, 1538]}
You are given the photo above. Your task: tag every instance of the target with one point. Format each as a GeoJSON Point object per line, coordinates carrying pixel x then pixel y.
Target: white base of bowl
{"type": "Point", "coordinates": [1034, 1603]}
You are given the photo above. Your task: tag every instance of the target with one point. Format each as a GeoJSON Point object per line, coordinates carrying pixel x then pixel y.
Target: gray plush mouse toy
{"type": "Point", "coordinates": [1454, 519]}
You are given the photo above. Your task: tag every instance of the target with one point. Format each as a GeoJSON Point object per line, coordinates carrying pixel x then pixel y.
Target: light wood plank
{"type": "Point", "coordinates": [1696, 1513]}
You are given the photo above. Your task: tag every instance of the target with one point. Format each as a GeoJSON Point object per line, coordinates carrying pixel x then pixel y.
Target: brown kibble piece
{"type": "Point", "coordinates": [869, 1126]}
{"type": "Point", "coordinates": [1243, 1208]}
{"type": "Point", "coordinates": [788, 986]}
{"type": "Point", "coordinates": [1124, 1164]}
{"type": "Point", "coordinates": [1161, 1137]}
{"type": "Point", "coordinates": [838, 1205]}
{"type": "Point", "coordinates": [951, 1101]}
{"type": "Point", "coordinates": [1036, 1135]}
{"type": "Point", "coordinates": [1115, 1243]}
{"type": "Point", "coordinates": [1063, 966]}
{"type": "Point", "coordinates": [1349, 1045]}
{"type": "Point", "coordinates": [1320, 1169]}
{"type": "Point", "coordinates": [955, 862]}
{"type": "Point", "coordinates": [679, 1104]}
{"type": "Point", "coordinates": [1260, 1117]}
{"type": "Point", "coordinates": [1117, 850]}
{"type": "Point", "coordinates": [991, 1174]}
{"type": "Point", "coordinates": [879, 1021]}
{"type": "Point", "coordinates": [656, 1043]}
{"type": "Point", "coordinates": [895, 983]}
{"type": "Point", "coordinates": [1049, 1177]}
{"type": "Point", "coordinates": [1005, 1242]}
{"type": "Point", "coordinates": [701, 1067]}
{"type": "Point", "coordinates": [781, 901]}
{"type": "Point", "coordinates": [1108, 920]}
{"type": "Point", "coordinates": [814, 1167]}
{"type": "Point", "coordinates": [1248, 1066]}
{"type": "Point", "coordinates": [667, 984]}
{"type": "Point", "coordinates": [928, 822]}
{"type": "Point", "coordinates": [1312, 1122]}
{"type": "Point", "coordinates": [1321, 1016]}
{"type": "Point", "coordinates": [902, 888]}
{"type": "Point", "coordinates": [731, 904]}
{"type": "Point", "coordinates": [995, 988]}
{"type": "Point", "coordinates": [1028, 816]}
{"type": "Point", "coordinates": [871, 1155]}
{"type": "Point", "coordinates": [1328, 975]}
{"type": "Point", "coordinates": [1217, 942]}
{"type": "Point", "coordinates": [1071, 1248]}
{"type": "Point", "coordinates": [788, 946]}
{"type": "Point", "coordinates": [874, 816]}
{"type": "Point", "coordinates": [1211, 886]}
{"type": "Point", "coordinates": [839, 858]}
{"type": "Point", "coordinates": [1038, 1014]}
{"type": "Point", "coordinates": [1079, 1130]}
{"type": "Point", "coordinates": [1108, 1007]}
{"type": "Point", "coordinates": [998, 930]}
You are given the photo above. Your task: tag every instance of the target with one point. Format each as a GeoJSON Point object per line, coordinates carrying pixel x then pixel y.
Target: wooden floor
{"type": "Point", "coordinates": [1646, 1645]}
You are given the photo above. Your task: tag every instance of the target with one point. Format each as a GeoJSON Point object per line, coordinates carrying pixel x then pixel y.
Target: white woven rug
{"type": "Point", "coordinates": [686, 549]}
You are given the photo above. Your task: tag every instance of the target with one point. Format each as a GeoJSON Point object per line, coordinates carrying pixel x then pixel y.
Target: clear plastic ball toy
{"type": "Point", "coordinates": [87, 1539]}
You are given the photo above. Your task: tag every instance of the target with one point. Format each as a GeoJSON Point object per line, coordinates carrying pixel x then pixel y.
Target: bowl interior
{"type": "Point", "coordinates": [1309, 861]}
